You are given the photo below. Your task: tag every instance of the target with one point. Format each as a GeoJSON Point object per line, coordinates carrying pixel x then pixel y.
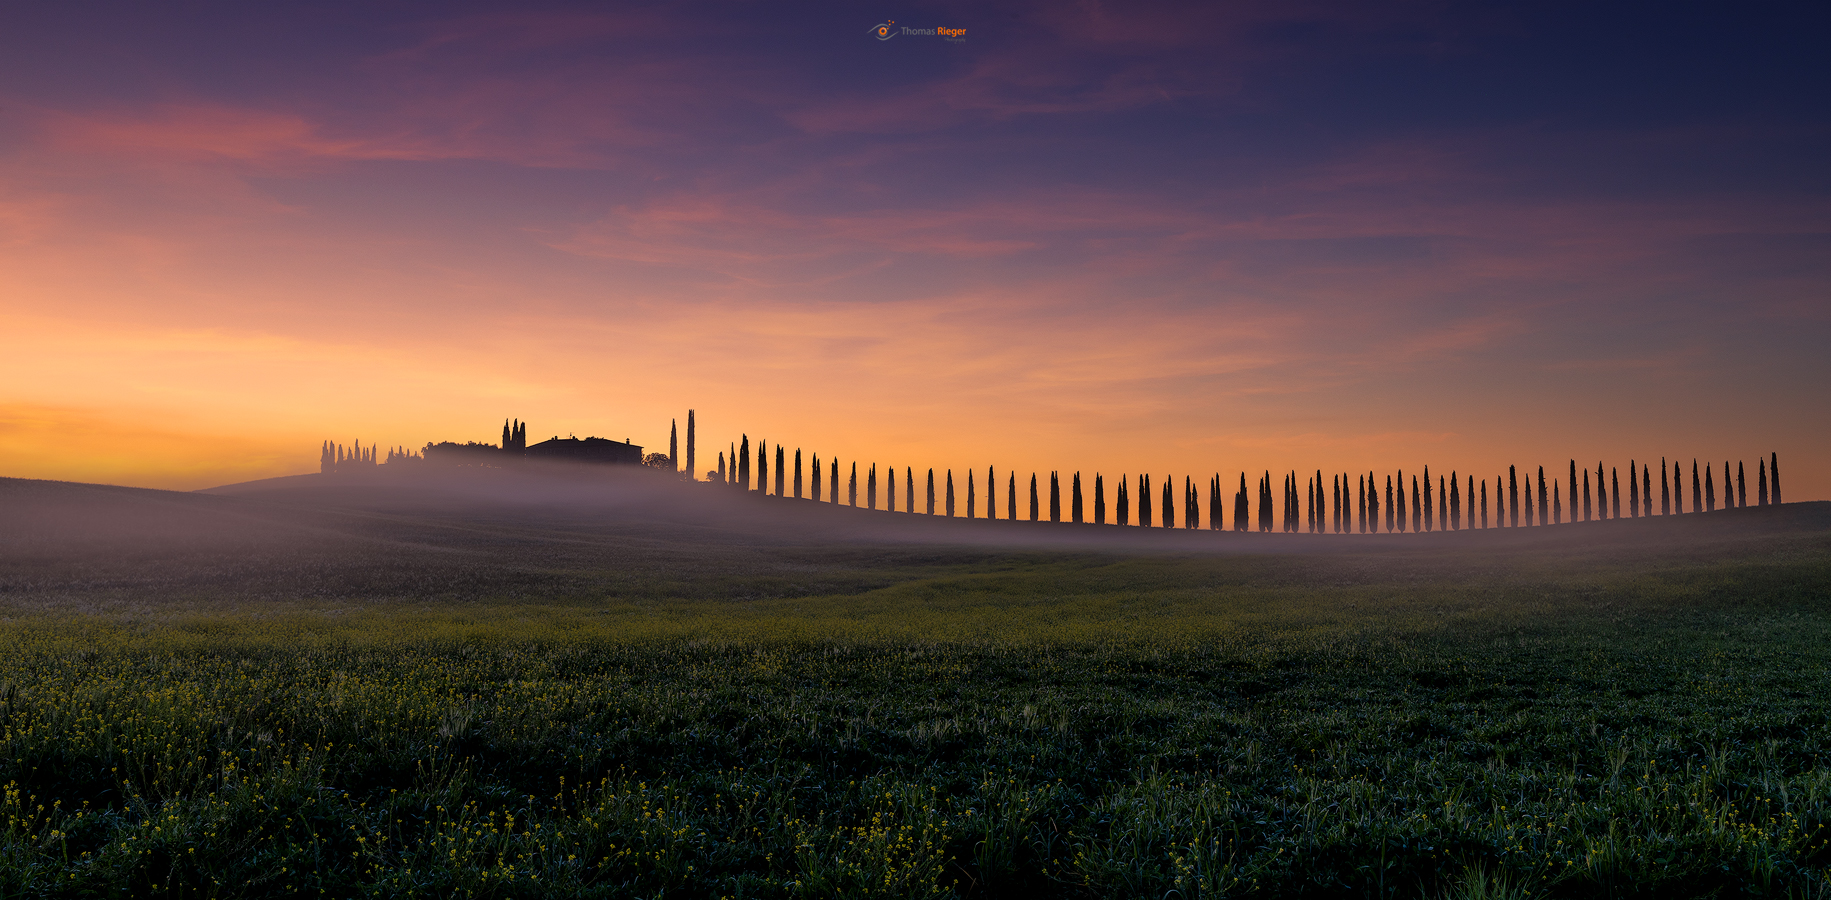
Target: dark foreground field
{"type": "Point", "coordinates": [531, 687]}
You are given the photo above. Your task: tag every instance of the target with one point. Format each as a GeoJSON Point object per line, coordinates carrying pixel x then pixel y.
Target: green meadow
{"type": "Point", "coordinates": [336, 699]}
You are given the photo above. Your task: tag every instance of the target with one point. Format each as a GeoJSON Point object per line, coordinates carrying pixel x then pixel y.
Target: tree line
{"type": "Point", "coordinates": [1336, 503]}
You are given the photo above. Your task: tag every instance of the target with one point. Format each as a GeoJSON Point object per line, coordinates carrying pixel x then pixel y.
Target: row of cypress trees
{"type": "Point", "coordinates": [1348, 504]}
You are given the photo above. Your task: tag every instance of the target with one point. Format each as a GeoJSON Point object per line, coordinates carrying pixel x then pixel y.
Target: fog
{"type": "Point", "coordinates": [557, 532]}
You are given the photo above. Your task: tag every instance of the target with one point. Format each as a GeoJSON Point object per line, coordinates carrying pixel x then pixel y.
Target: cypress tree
{"type": "Point", "coordinates": [797, 471]}
{"type": "Point", "coordinates": [1360, 503]}
{"type": "Point", "coordinates": [1169, 508]}
{"type": "Point", "coordinates": [1055, 498]}
{"type": "Point", "coordinates": [1665, 489]}
{"type": "Point", "coordinates": [1557, 505]}
{"type": "Point", "coordinates": [991, 492]}
{"type": "Point", "coordinates": [1573, 490]}
{"type": "Point", "coordinates": [1099, 499]}
{"type": "Point", "coordinates": [1697, 491]}
{"type": "Point", "coordinates": [1417, 522]}
{"type": "Point", "coordinates": [1601, 492]}
{"type": "Point", "coordinates": [1528, 499]}
{"type": "Point", "coordinates": [743, 471]}
{"type": "Point", "coordinates": [909, 488]}
{"type": "Point", "coordinates": [833, 480]}
{"type": "Point", "coordinates": [762, 467]}
{"type": "Point", "coordinates": [1542, 508]}
{"type": "Point", "coordinates": [1011, 498]}
{"type": "Point", "coordinates": [1144, 501]}
{"type": "Point", "coordinates": [1217, 515]}
{"type": "Point", "coordinates": [1512, 497]}
{"type": "Point", "coordinates": [852, 485]}
{"type": "Point", "coordinates": [508, 442]}
{"type": "Point", "coordinates": [1741, 484]}
{"type": "Point", "coordinates": [1586, 510]}
{"type": "Point", "coordinates": [1389, 509]}
{"type": "Point", "coordinates": [870, 486]}
{"type": "Point", "coordinates": [1443, 506]}
{"type": "Point", "coordinates": [1036, 512]}
{"type": "Point", "coordinates": [1615, 492]}
{"type": "Point", "coordinates": [1241, 511]}
{"type": "Point", "coordinates": [692, 475]}
{"type": "Point", "coordinates": [931, 491]}
{"type": "Point", "coordinates": [1633, 492]}
{"type": "Point", "coordinates": [1455, 501]}
{"type": "Point", "coordinates": [890, 488]}
{"type": "Point", "coordinates": [1429, 507]}
{"type": "Point", "coordinates": [815, 481]}
{"type": "Point", "coordinates": [1309, 506]}
{"type": "Point", "coordinates": [1075, 498]}
{"type": "Point", "coordinates": [1760, 481]}
{"type": "Point", "coordinates": [969, 493]}
{"type": "Point", "coordinates": [780, 471]}
{"type": "Point", "coordinates": [1773, 474]}
{"type": "Point", "coordinates": [1399, 510]}
{"type": "Point", "coordinates": [721, 467]}
{"type": "Point", "coordinates": [1123, 514]}
{"type": "Point", "coordinates": [1484, 503]}
{"type": "Point", "coordinates": [1193, 518]}
{"type": "Point", "coordinates": [950, 493]}
{"type": "Point", "coordinates": [1710, 492]}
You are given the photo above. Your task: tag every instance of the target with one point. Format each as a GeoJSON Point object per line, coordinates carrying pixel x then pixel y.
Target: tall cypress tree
{"type": "Point", "coordinates": [1665, 489]}
{"type": "Point", "coordinates": [1036, 512]}
{"type": "Point", "coordinates": [1455, 501]}
{"type": "Point", "coordinates": [1760, 481]}
{"type": "Point", "coordinates": [1443, 505]}
{"type": "Point", "coordinates": [1217, 514]}
{"type": "Point", "coordinates": [1773, 474]}
{"type": "Point", "coordinates": [1099, 499]}
{"type": "Point", "coordinates": [797, 472]}
{"type": "Point", "coordinates": [1586, 510]}
{"type": "Point", "coordinates": [909, 488]}
{"type": "Point", "coordinates": [816, 481]}
{"type": "Point", "coordinates": [1557, 505]}
{"type": "Point", "coordinates": [1601, 492]}
{"type": "Point", "coordinates": [1075, 498]}
{"type": "Point", "coordinates": [1011, 500]}
{"type": "Point", "coordinates": [743, 471]}
{"type": "Point", "coordinates": [762, 467]}
{"type": "Point", "coordinates": [1633, 492]}
{"type": "Point", "coordinates": [673, 442]}
{"type": "Point", "coordinates": [1710, 492]}
{"type": "Point", "coordinates": [1123, 514]}
{"type": "Point", "coordinates": [991, 492]}
{"type": "Point", "coordinates": [1697, 491]}
{"type": "Point", "coordinates": [1528, 499]}
{"type": "Point", "coordinates": [692, 474]}
{"type": "Point", "coordinates": [1389, 509]}
{"type": "Point", "coordinates": [870, 486]}
{"type": "Point", "coordinates": [1055, 497]}
{"type": "Point", "coordinates": [1360, 505]}
{"type": "Point", "coordinates": [890, 488]}
{"type": "Point", "coordinates": [1241, 508]}
{"type": "Point", "coordinates": [1615, 492]}
{"type": "Point", "coordinates": [1399, 510]}
{"type": "Point", "coordinates": [1169, 508]}
{"type": "Point", "coordinates": [1573, 490]}
{"type": "Point", "coordinates": [1741, 485]}
{"type": "Point", "coordinates": [1417, 520]}
{"type": "Point", "coordinates": [1144, 501]}
{"type": "Point", "coordinates": [780, 480]}
{"type": "Point", "coordinates": [969, 493]}
{"type": "Point", "coordinates": [721, 467]}
{"type": "Point", "coordinates": [950, 493]}
{"type": "Point", "coordinates": [1192, 518]}
{"type": "Point", "coordinates": [852, 485]}
{"type": "Point", "coordinates": [1484, 503]}
{"type": "Point", "coordinates": [1512, 497]}
{"type": "Point", "coordinates": [931, 491]}
{"type": "Point", "coordinates": [1542, 508]}
{"type": "Point", "coordinates": [1429, 505]}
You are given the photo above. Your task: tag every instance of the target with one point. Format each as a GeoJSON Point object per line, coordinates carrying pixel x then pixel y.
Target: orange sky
{"type": "Point", "coordinates": [1056, 247]}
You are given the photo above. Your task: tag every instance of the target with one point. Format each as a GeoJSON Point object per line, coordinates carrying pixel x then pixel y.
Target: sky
{"type": "Point", "coordinates": [1124, 238]}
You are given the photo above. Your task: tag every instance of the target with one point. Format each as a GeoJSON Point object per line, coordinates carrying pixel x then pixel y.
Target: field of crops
{"type": "Point", "coordinates": [334, 701]}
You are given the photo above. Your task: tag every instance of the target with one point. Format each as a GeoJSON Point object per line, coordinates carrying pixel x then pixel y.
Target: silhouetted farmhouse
{"type": "Point", "coordinates": [586, 450]}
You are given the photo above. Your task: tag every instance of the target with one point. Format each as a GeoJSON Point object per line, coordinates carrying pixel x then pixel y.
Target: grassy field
{"type": "Point", "coordinates": [331, 693]}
